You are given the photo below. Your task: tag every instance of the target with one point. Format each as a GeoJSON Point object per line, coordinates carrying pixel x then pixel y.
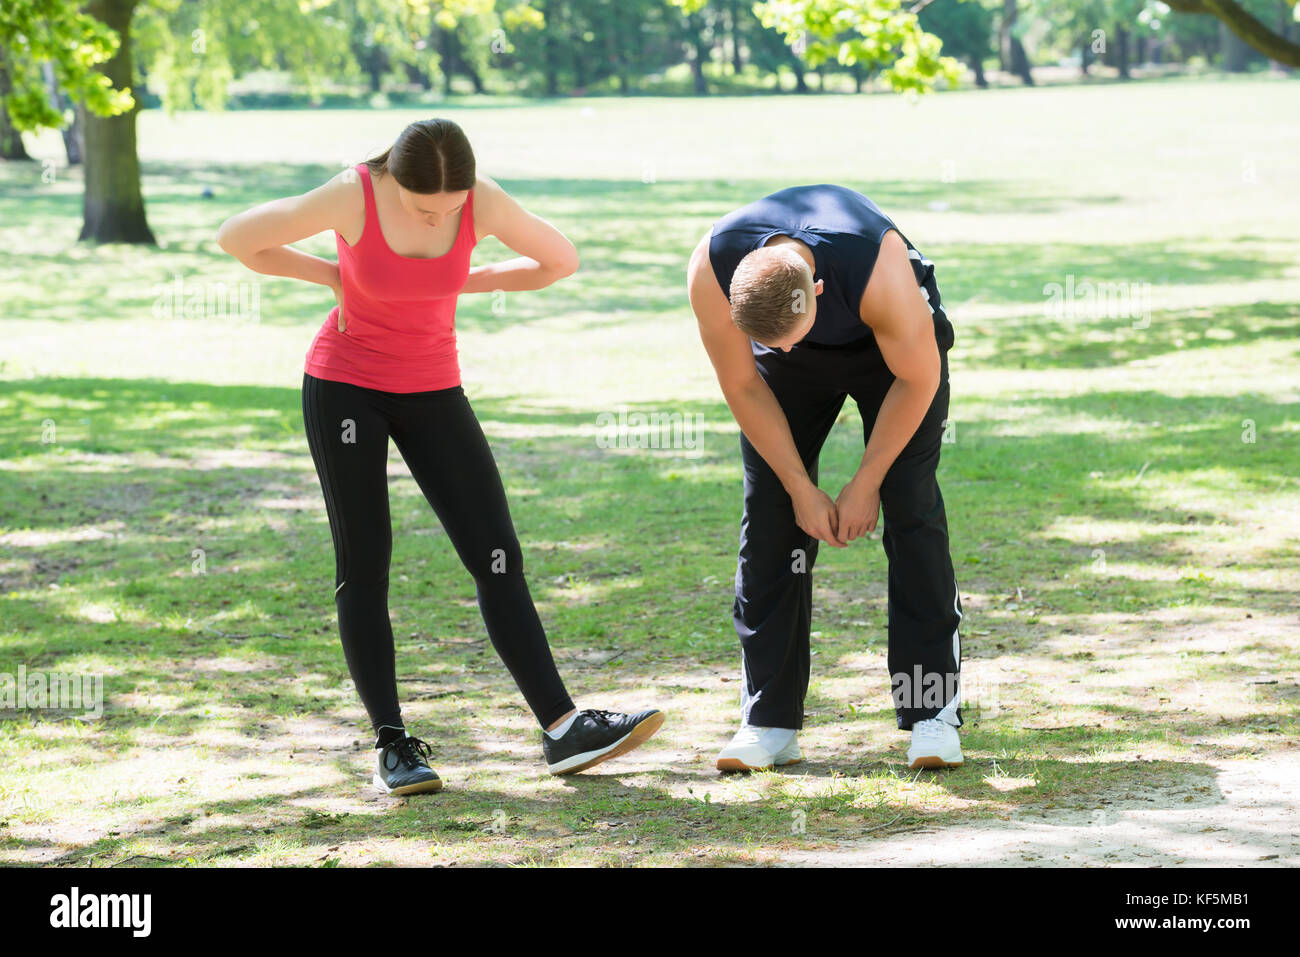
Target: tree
{"type": "Point", "coordinates": [1275, 45]}
{"type": "Point", "coordinates": [1010, 49]}
{"type": "Point", "coordinates": [879, 35]}
{"type": "Point", "coordinates": [73, 131]}
{"type": "Point", "coordinates": [192, 51]}
{"type": "Point", "coordinates": [700, 38]}
{"type": "Point", "coordinates": [112, 202]}
{"type": "Point", "coordinates": [966, 29]}
{"type": "Point", "coordinates": [51, 42]}
{"type": "Point", "coordinates": [11, 138]}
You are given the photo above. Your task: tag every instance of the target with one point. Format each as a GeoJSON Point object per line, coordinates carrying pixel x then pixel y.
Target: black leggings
{"type": "Point", "coordinates": [348, 427]}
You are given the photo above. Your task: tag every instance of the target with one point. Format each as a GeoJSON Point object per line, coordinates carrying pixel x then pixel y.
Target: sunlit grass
{"type": "Point", "coordinates": [1127, 546]}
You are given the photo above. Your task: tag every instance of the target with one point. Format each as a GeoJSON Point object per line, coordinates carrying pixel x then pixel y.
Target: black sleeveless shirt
{"type": "Point", "coordinates": [843, 229]}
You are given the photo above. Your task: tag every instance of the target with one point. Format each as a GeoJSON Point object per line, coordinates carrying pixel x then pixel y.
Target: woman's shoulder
{"type": "Point", "coordinates": [345, 186]}
{"type": "Point", "coordinates": [487, 193]}
{"type": "Point", "coordinates": [489, 201]}
{"type": "Point", "coordinates": [345, 194]}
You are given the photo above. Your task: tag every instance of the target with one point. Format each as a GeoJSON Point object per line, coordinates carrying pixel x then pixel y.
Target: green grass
{"type": "Point", "coordinates": [1128, 563]}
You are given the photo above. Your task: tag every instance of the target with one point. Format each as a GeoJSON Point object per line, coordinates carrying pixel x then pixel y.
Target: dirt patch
{"type": "Point", "coordinates": [1252, 819]}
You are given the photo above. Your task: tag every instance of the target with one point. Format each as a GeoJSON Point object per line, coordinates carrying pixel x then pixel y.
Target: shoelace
{"type": "Point", "coordinates": [602, 717]}
{"type": "Point", "coordinates": [930, 729]}
{"type": "Point", "coordinates": [413, 752]}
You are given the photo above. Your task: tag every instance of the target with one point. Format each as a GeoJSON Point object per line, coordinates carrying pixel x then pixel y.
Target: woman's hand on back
{"type": "Point", "coordinates": [337, 286]}
{"type": "Point", "coordinates": [261, 237]}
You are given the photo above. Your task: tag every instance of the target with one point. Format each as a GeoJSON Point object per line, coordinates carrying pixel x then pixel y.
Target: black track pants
{"type": "Point", "coordinates": [348, 428]}
{"type": "Point", "coordinates": [773, 604]}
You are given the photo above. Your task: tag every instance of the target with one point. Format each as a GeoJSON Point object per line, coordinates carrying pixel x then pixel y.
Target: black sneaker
{"type": "Point", "coordinates": [402, 768]}
{"type": "Point", "coordinates": [597, 736]}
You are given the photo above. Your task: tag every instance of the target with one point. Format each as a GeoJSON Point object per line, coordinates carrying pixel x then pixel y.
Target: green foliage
{"type": "Point", "coordinates": [875, 34]}
{"type": "Point", "coordinates": [33, 32]}
{"type": "Point", "coordinates": [192, 51]}
{"type": "Point", "coordinates": [964, 26]}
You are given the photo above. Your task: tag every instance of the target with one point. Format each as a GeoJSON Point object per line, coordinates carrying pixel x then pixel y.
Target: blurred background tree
{"type": "Point", "coordinates": [88, 68]}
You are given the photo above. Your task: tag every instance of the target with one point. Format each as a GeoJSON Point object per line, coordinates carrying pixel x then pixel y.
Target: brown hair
{"type": "Point", "coordinates": [765, 293]}
{"type": "Point", "coordinates": [429, 156]}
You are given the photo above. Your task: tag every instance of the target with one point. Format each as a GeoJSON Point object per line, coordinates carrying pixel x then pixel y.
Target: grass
{"type": "Point", "coordinates": [1121, 490]}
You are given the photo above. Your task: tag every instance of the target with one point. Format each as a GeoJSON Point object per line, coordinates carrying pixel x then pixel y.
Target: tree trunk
{"type": "Point", "coordinates": [1014, 59]}
{"type": "Point", "coordinates": [1020, 62]}
{"type": "Point", "coordinates": [701, 54]}
{"type": "Point", "coordinates": [418, 76]}
{"type": "Point", "coordinates": [977, 66]}
{"type": "Point", "coordinates": [615, 48]}
{"type": "Point", "coordinates": [1284, 21]}
{"type": "Point", "coordinates": [445, 62]}
{"type": "Point", "coordinates": [72, 133]}
{"type": "Point", "coordinates": [1121, 52]}
{"type": "Point", "coordinates": [579, 66]}
{"type": "Point", "coordinates": [464, 66]}
{"type": "Point", "coordinates": [1004, 35]}
{"type": "Point", "coordinates": [113, 204]}
{"type": "Point", "coordinates": [549, 58]}
{"type": "Point", "coordinates": [737, 61]}
{"type": "Point", "coordinates": [452, 62]}
{"type": "Point", "coordinates": [1085, 50]}
{"type": "Point", "coordinates": [1234, 50]}
{"type": "Point", "coordinates": [74, 138]}
{"type": "Point", "coordinates": [11, 140]}
{"type": "Point", "coordinates": [1246, 27]}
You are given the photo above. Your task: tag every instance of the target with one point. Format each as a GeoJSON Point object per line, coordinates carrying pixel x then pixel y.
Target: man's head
{"type": "Point", "coordinates": [774, 297]}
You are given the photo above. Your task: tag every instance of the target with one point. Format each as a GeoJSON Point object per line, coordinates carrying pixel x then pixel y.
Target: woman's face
{"type": "Point", "coordinates": [432, 208]}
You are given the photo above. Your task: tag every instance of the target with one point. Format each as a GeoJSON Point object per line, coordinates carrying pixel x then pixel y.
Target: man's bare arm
{"type": "Point", "coordinates": [752, 403]}
{"type": "Point", "coordinates": [893, 306]}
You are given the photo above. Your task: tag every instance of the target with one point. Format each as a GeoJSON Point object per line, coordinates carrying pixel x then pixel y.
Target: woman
{"type": "Point", "coordinates": [384, 364]}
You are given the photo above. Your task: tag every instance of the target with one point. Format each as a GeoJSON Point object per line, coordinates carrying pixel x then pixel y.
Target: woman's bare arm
{"type": "Point", "coordinates": [260, 237]}
{"type": "Point", "coordinates": [545, 254]}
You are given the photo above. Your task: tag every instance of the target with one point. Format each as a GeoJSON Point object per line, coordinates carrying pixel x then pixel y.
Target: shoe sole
{"type": "Point", "coordinates": [421, 787]}
{"type": "Point", "coordinates": [932, 762]}
{"type": "Point", "coordinates": [735, 764]}
{"type": "Point", "coordinates": [633, 739]}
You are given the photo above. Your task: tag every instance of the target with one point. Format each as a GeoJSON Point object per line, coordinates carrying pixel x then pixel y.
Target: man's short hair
{"type": "Point", "coordinates": [771, 293]}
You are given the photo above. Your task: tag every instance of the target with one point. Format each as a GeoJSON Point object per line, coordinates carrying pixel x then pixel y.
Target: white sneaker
{"type": "Point", "coordinates": [934, 745]}
{"type": "Point", "coordinates": [760, 749]}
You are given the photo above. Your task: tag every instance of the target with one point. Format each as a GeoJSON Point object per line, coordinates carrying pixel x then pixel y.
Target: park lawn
{"type": "Point", "coordinates": [1121, 490]}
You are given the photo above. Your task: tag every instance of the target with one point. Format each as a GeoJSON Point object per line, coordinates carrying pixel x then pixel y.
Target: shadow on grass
{"type": "Point", "coordinates": [595, 814]}
{"type": "Point", "coordinates": [628, 551]}
{"type": "Point", "coordinates": [634, 239]}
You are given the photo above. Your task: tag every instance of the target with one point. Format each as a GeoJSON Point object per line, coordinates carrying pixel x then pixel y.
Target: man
{"type": "Point", "coordinates": [803, 298]}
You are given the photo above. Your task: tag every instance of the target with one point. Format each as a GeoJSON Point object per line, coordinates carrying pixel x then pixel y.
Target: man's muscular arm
{"type": "Point", "coordinates": [752, 403]}
{"type": "Point", "coordinates": [892, 305]}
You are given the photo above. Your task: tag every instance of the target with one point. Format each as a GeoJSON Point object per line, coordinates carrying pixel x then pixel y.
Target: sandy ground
{"type": "Point", "coordinates": [1251, 819]}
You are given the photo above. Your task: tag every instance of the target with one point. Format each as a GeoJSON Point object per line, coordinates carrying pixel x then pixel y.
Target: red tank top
{"type": "Point", "coordinates": [400, 311]}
